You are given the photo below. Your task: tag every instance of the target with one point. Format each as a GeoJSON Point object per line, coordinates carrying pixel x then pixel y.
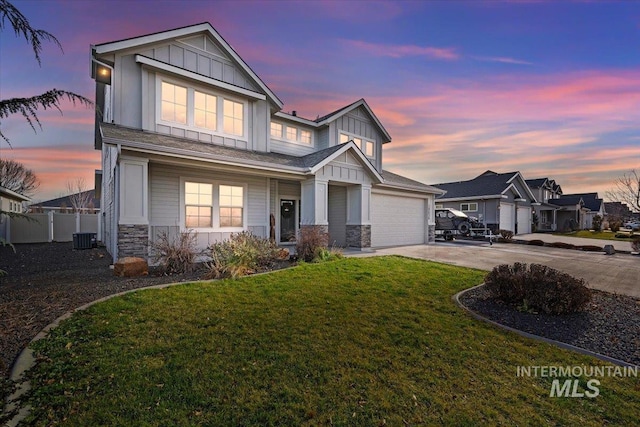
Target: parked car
{"type": "Point", "coordinates": [633, 225]}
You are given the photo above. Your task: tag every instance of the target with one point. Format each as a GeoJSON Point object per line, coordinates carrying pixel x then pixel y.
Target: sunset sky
{"type": "Point", "coordinates": [549, 88]}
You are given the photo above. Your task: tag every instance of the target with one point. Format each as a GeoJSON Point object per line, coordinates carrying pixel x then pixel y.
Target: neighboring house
{"type": "Point", "coordinates": [571, 211]}
{"type": "Point", "coordinates": [546, 191]}
{"type": "Point", "coordinates": [10, 202]}
{"type": "Point", "coordinates": [66, 204]}
{"type": "Point", "coordinates": [499, 200]}
{"type": "Point", "coordinates": [617, 211]}
{"type": "Point", "coordinates": [192, 139]}
{"type": "Point", "coordinates": [592, 205]}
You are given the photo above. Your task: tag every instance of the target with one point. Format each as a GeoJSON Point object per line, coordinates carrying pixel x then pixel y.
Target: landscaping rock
{"type": "Point", "coordinates": [131, 267]}
{"type": "Point", "coordinates": [609, 249]}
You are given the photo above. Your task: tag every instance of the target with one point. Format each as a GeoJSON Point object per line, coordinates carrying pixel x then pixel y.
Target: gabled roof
{"type": "Point", "coordinates": [12, 194]}
{"type": "Point", "coordinates": [590, 200]}
{"type": "Point", "coordinates": [56, 203]}
{"type": "Point", "coordinates": [344, 110]}
{"type": "Point", "coordinates": [394, 180]}
{"type": "Point", "coordinates": [568, 200]}
{"type": "Point", "coordinates": [488, 185]}
{"type": "Point", "coordinates": [205, 27]}
{"type": "Point", "coordinates": [537, 182]}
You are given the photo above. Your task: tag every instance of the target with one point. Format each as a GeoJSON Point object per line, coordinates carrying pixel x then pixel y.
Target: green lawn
{"type": "Point", "coordinates": [602, 235]}
{"type": "Point", "coordinates": [360, 341]}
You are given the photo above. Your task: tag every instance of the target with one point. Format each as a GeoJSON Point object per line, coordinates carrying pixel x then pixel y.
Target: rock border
{"type": "Point", "coordinates": [603, 357]}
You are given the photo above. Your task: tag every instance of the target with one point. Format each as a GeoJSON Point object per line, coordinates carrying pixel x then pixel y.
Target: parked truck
{"type": "Point", "coordinates": [452, 222]}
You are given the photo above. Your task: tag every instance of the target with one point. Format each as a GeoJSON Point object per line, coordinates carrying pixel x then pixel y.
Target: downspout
{"type": "Point", "coordinates": [116, 203]}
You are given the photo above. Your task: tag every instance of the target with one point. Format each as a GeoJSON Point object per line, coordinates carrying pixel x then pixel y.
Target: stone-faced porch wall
{"type": "Point", "coordinates": [359, 236]}
{"type": "Point", "coordinates": [133, 240]}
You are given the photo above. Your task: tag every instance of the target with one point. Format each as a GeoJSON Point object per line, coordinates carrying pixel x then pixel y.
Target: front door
{"type": "Point", "coordinates": [287, 221]}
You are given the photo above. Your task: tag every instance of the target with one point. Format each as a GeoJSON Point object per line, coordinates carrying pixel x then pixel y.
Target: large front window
{"type": "Point", "coordinates": [174, 103]}
{"type": "Point", "coordinates": [198, 199]}
{"type": "Point", "coordinates": [233, 117]}
{"type": "Point", "coordinates": [231, 206]}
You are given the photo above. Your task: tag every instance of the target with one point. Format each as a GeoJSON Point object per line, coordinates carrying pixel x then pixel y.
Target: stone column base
{"type": "Point", "coordinates": [323, 230]}
{"type": "Point", "coordinates": [432, 234]}
{"type": "Point", "coordinates": [359, 236]}
{"type": "Point", "coordinates": [133, 241]}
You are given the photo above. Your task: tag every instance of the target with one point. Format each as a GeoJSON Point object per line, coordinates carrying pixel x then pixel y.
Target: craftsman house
{"type": "Point", "coordinates": [192, 139]}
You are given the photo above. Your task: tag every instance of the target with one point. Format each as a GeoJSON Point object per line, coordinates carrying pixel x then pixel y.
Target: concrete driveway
{"type": "Point", "coordinates": [619, 273]}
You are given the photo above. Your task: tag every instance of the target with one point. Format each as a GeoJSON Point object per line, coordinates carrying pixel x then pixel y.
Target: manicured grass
{"type": "Point", "coordinates": [602, 235]}
{"type": "Point", "coordinates": [360, 341]}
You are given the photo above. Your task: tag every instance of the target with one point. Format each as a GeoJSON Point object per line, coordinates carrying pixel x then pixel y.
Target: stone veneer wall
{"type": "Point", "coordinates": [133, 240]}
{"type": "Point", "coordinates": [359, 236]}
{"type": "Point", "coordinates": [432, 234]}
{"type": "Point", "coordinates": [324, 229]}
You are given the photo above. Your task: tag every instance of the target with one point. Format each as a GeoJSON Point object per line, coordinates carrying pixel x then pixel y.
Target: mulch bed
{"type": "Point", "coordinates": [46, 280]}
{"type": "Point", "coordinates": [609, 325]}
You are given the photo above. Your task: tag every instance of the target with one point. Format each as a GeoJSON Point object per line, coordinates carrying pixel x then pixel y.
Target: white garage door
{"type": "Point", "coordinates": [507, 217]}
{"type": "Point", "coordinates": [524, 220]}
{"type": "Point", "coordinates": [397, 220]}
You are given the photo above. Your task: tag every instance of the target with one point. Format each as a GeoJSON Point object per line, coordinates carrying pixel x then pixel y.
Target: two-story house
{"type": "Point", "coordinates": [192, 139]}
{"type": "Point", "coordinates": [546, 191]}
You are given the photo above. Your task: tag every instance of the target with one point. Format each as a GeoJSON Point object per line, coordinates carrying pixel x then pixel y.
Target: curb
{"type": "Point", "coordinates": [456, 299]}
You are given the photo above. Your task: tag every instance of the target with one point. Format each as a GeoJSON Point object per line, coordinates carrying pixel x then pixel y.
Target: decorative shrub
{"type": "Point", "coordinates": [506, 234]}
{"type": "Point", "coordinates": [635, 244]}
{"type": "Point", "coordinates": [596, 223]}
{"type": "Point", "coordinates": [243, 253]}
{"type": "Point", "coordinates": [535, 243]}
{"type": "Point", "coordinates": [538, 287]}
{"type": "Point", "coordinates": [312, 239]}
{"type": "Point", "coordinates": [614, 225]}
{"type": "Point", "coordinates": [177, 254]}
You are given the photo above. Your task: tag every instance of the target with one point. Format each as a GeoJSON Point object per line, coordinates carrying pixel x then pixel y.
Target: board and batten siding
{"type": "Point", "coordinates": [357, 122]}
{"type": "Point", "coordinates": [164, 196]}
{"type": "Point", "coordinates": [345, 168]}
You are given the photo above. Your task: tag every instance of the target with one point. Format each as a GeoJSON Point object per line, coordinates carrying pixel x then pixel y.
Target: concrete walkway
{"type": "Point", "coordinates": [619, 273]}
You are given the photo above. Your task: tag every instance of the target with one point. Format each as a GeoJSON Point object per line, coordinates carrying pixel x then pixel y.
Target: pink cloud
{"type": "Point", "coordinates": [399, 51]}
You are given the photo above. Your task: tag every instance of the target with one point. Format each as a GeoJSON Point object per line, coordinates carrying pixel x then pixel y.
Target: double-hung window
{"type": "Point", "coordinates": [276, 130]}
{"type": "Point", "coordinates": [213, 206]}
{"type": "Point", "coordinates": [198, 199]}
{"type": "Point", "coordinates": [231, 202]}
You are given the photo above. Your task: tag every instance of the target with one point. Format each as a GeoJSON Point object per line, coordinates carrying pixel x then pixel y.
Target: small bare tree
{"type": "Point", "coordinates": [17, 177]}
{"type": "Point", "coordinates": [79, 196]}
{"type": "Point", "coordinates": [627, 190]}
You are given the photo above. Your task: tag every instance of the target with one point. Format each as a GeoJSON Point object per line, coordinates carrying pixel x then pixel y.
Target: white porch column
{"type": "Point", "coordinates": [314, 202]}
{"type": "Point", "coordinates": [133, 223]}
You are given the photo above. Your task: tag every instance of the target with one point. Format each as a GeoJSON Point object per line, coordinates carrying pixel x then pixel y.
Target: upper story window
{"type": "Point", "coordinates": [469, 207]}
{"type": "Point", "coordinates": [276, 130]}
{"type": "Point", "coordinates": [305, 136]}
{"type": "Point", "coordinates": [365, 145]}
{"type": "Point", "coordinates": [200, 109]}
{"type": "Point", "coordinates": [233, 117]}
{"type": "Point", "coordinates": [174, 103]}
{"type": "Point", "coordinates": [205, 110]}
{"type": "Point", "coordinates": [291, 133]}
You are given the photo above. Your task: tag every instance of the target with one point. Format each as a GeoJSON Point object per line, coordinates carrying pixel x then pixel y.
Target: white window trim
{"type": "Point", "coordinates": [364, 140]}
{"type": "Point", "coordinates": [469, 206]}
{"type": "Point", "coordinates": [215, 220]}
{"type": "Point", "coordinates": [297, 141]}
{"type": "Point", "coordinates": [190, 126]}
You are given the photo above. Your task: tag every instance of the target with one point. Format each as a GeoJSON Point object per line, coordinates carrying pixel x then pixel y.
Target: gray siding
{"type": "Point", "coordinates": [358, 122]}
{"type": "Point", "coordinates": [107, 202]}
{"type": "Point", "coordinates": [487, 209]}
{"type": "Point", "coordinates": [164, 194]}
{"type": "Point", "coordinates": [323, 138]}
{"type": "Point", "coordinates": [291, 148]}
{"type": "Point", "coordinates": [345, 168]}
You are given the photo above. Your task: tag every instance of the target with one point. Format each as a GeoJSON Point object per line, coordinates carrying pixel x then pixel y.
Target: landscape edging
{"type": "Point", "coordinates": [456, 299]}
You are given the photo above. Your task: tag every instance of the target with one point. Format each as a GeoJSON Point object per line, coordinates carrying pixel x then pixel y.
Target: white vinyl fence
{"type": "Point", "coordinates": [47, 227]}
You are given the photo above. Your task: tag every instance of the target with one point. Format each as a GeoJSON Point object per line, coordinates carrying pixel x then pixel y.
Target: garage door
{"type": "Point", "coordinates": [507, 217]}
{"type": "Point", "coordinates": [397, 220]}
{"type": "Point", "coordinates": [524, 220]}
